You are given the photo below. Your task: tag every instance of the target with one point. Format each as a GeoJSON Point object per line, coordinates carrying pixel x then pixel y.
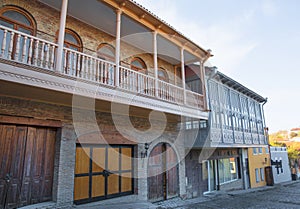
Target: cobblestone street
{"type": "Point", "coordinates": [279, 197]}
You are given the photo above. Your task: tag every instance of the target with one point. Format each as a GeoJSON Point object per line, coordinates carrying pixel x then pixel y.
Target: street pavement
{"type": "Point", "coordinates": [280, 196]}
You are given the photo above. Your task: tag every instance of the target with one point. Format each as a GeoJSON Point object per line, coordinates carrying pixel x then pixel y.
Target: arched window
{"type": "Point", "coordinates": [106, 52]}
{"type": "Point", "coordinates": [163, 75]}
{"type": "Point", "coordinates": [72, 40]}
{"type": "Point", "coordinates": [139, 65]}
{"type": "Point", "coordinates": [17, 19]}
{"type": "Point", "coordinates": [106, 71]}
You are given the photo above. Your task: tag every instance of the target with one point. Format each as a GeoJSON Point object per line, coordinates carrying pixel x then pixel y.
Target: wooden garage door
{"type": "Point", "coordinates": [26, 165]}
{"type": "Point", "coordinates": [102, 172]}
{"type": "Point", "coordinates": [162, 173]}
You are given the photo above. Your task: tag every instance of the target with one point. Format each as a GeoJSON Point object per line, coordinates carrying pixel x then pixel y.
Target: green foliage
{"type": "Point", "coordinates": [293, 134]}
{"type": "Point", "coordinates": [277, 144]}
{"type": "Point", "coordinates": [293, 152]}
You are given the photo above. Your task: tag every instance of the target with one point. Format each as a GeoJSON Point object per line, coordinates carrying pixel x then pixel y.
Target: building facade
{"type": "Point", "coordinates": [221, 150]}
{"type": "Point", "coordinates": [259, 158]}
{"type": "Point", "coordinates": [280, 164]}
{"type": "Point", "coordinates": [93, 101]}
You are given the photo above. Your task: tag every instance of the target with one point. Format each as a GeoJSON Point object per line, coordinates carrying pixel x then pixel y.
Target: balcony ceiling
{"type": "Point", "coordinates": [103, 17]}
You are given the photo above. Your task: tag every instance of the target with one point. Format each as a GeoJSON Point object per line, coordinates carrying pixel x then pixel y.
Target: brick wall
{"type": "Point", "coordinates": [67, 136]}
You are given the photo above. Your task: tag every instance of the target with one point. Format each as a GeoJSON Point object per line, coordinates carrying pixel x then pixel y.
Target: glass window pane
{"type": "Point", "coordinates": [71, 39]}
{"type": "Point", "coordinates": [137, 63]}
{"type": "Point", "coordinates": [25, 31]}
{"type": "Point", "coordinates": [106, 50]}
{"type": "Point", "coordinates": [6, 24]}
{"type": "Point", "coordinates": [16, 16]}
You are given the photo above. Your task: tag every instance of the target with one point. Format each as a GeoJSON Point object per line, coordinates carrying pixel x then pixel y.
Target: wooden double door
{"type": "Point", "coordinates": [163, 181]}
{"type": "Point", "coordinates": [26, 164]}
{"type": "Point", "coordinates": [102, 172]}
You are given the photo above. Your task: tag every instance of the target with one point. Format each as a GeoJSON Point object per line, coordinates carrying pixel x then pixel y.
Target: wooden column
{"type": "Point", "coordinates": [61, 35]}
{"type": "Point", "coordinates": [118, 46]}
{"type": "Point", "coordinates": [183, 74]}
{"type": "Point", "coordinates": [155, 61]}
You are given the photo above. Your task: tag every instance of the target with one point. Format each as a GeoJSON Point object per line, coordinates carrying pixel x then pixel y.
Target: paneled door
{"type": "Point", "coordinates": [102, 172]}
{"type": "Point", "coordinates": [26, 165]}
{"type": "Point", "coordinates": [162, 173]}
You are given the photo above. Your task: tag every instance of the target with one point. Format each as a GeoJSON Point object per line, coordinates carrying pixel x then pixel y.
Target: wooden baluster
{"type": "Point", "coordinates": [30, 50]}
{"type": "Point", "coordinates": [24, 52]}
{"type": "Point", "coordinates": [3, 48]}
{"type": "Point", "coordinates": [97, 70]}
{"type": "Point", "coordinates": [36, 53]}
{"type": "Point", "coordinates": [46, 49]}
{"type": "Point", "coordinates": [101, 72]}
{"type": "Point", "coordinates": [42, 54]}
{"type": "Point", "coordinates": [11, 44]}
{"type": "Point", "coordinates": [69, 62]}
{"type": "Point", "coordinates": [52, 57]}
{"type": "Point", "coordinates": [83, 67]}
{"type": "Point", "coordinates": [106, 73]}
{"type": "Point", "coordinates": [78, 66]}
{"type": "Point", "coordinates": [64, 70]}
{"type": "Point", "coordinates": [74, 68]}
{"type": "Point", "coordinates": [93, 74]}
{"type": "Point", "coordinates": [89, 68]}
{"type": "Point", "coordinates": [18, 43]}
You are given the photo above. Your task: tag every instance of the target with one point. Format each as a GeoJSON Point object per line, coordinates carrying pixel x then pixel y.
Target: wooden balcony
{"type": "Point", "coordinates": [18, 47]}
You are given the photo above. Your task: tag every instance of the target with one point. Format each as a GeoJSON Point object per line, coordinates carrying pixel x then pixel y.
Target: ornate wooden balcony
{"type": "Point", "coordinates": [18, 47]}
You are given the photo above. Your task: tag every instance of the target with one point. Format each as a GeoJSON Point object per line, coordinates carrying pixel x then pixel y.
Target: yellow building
{"type": "Point", "coordinates": [259, 159]}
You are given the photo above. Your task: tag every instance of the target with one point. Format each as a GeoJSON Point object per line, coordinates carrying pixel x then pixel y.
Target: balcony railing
{"type": "Point", "coordinates": [29, 50]}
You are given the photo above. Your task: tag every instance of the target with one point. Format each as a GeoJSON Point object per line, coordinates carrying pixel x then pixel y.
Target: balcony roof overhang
{"type": "Point", "coordinates": [236, 85]}
{"type": "Point", "coordinates": [137, 28]}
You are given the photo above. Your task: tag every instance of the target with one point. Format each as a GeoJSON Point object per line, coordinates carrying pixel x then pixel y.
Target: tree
{"type": "Point", "coordinates": [293, 134]}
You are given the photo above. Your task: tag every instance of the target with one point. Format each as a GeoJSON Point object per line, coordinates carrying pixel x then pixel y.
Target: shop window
{"type": "Point", "coordinates": [228, 170]}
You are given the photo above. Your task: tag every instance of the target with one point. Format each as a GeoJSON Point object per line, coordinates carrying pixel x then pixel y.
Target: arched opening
{"type": "Point", "coordinates": [20, 20]}
{"type": "Point", "coordinates": [163, 177]}
{"type": "Point", "coordinates": [17, 19]}
{"type": "Point", "coordinates": [162, 74]}
{"type": "Point", "coordinates": [106, 52]}
{"type": "Point", "coordinates": [72, 61]}
{"type": "Point", "coordinates": [106, 71]}
{"type": "Point", "coordinates": [139, 65]}
{"type": "Point", "coordinates": [72, 40]}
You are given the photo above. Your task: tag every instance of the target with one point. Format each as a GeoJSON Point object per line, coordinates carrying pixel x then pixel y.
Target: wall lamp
{"type": "Point", "coordinates": [145, 153]}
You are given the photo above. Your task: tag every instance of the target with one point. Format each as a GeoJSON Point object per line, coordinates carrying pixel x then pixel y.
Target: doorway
{"type": "Point", "coordinates": [102, 172]}
{"type": "Point", "coordinates": [26, 164]}
{"type": "Point", "coordinates": [163, 181]}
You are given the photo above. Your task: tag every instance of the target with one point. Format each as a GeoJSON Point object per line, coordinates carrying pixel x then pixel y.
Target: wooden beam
{"type": "Point", "coordinates": [29, 121]}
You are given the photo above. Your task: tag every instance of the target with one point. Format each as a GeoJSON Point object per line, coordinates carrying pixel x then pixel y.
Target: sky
{"type": "Point", "coordinates": [257, 43]}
